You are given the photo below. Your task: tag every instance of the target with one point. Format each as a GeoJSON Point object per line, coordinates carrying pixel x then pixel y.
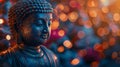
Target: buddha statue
{"type": "Point", "coordinates": [30, 24]}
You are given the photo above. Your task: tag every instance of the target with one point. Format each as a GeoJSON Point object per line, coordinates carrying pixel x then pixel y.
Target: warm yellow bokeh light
{"type": "Point", "coordinates": [55, 24]}
{"type": "Point", "coordinates": [1, 21]}
{"type": "Point", "coordinates": [8, 37]}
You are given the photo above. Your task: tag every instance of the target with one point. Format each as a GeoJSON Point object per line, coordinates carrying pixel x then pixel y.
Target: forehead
{"type": "Point", "coordinates": [45, 16]}
{"type": "Point", "coordinates": [42, 15]}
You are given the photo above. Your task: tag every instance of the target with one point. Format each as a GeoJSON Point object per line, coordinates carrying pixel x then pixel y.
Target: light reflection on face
{"type": "Point", "coordinates": [36, 29]}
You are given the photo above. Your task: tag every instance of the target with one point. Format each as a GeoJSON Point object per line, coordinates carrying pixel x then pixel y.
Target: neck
{"type": "Point", "coordinates": [34, 51]}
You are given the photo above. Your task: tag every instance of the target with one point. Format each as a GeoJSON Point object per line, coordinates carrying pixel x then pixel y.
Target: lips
{"type": "Point", "coordinates": [44, 36]}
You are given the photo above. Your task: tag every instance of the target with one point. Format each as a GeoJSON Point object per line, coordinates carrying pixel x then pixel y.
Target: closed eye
{"type": "Point", "coordinates": [39, 22]}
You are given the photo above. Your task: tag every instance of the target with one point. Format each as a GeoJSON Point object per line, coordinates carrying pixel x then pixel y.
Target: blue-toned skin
{"type": "Point", "coordinates": [32, 33]}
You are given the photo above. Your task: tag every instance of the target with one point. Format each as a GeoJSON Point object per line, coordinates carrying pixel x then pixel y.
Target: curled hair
{"type": "Point", "coordinates": [23, 8]}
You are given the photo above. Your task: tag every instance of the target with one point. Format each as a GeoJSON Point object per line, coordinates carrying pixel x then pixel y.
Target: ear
{"type": "Point", "coordinates": [18, 31]}
{"type": "Point", "coordinates": [19, 39]}
{"type": "Point", "coordinates": [16, 27]}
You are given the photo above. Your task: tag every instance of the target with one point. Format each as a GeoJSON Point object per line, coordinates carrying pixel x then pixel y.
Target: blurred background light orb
{"type": "Point", "coordinates": [1, 21]}
{"type": "Point", "coordinates": [75, 61]}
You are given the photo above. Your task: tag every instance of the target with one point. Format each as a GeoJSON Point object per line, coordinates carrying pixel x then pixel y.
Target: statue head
{"type": "Point", "coordinates": [30, 21]}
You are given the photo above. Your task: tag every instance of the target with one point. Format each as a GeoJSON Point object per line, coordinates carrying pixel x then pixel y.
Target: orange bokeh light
{"type": "Point", "coordinates": [92, 13]}
{"type": "Point", "coordinates": [61, 33]}
{"type": "Point", "coordinates": [92, 3]}
{"type": "Point", "coordinates": [75, 61]}
{"type": "Point", "coordinates": [98, 48]}
{"type": "Point", "coordinates": [114, 55]}
{"type": "Point", "coordinates": [105, 45]}
{"type": "Point", "coordinates": [67, 44]}
{"type": "Point", "coordinates": [63, 17]}
{"type": "Point", "coordinates": [73, 16]}
{"type": "Point", "coordinates": [82, 52]}
{"type": "Point", "coordinates": [105, 9]}
{"type": "Point", "coordinates": [66, 9]}
{"type": "Point", "coordinates": [55, 25]}
{"type": "Point", "coordinates": [102, 31]}
{"type": "Point", "coordinates": [60, 6]}
{"type": "Point", "coordinates": [112, 41]}
{"type": "Point", "coordinates": [95, 64]}
{"type": "Point", "coordinates": [116, 17]}
{"type": "Point", "coordinates": [60, 49]}
{"type": "Point", "coordinates": [88, 24]}
{"type": "Point", "coordinates": [73, 3]}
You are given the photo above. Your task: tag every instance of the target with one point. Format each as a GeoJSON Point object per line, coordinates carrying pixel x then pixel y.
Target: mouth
{"type": "Point", "coordinates": [44, 36]}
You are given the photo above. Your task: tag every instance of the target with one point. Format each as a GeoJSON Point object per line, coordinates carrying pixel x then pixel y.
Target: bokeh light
{"type": "Point", "coordinates": [61, 49]}
{"type": "Point", "coordinates": [1, 0]}
{"type": "Point", "coordinates": [102, 31]}
{"type": "Point", "coordinates": [73, 16]}
{"type": "Point", "coordinates": [75, 61]}
{"type": "Point", "coordinates": [55, 24]}
{"type": "Point", "coordinates": [88, 24]}
{"type": "Point", "coordinates": [66, 9]}
{"type": "Point", "coordinates": [92, 3]}
{"type": "Point", "coordinates": [98, 47]}
{"type": "Point", "coordinates": [60, 6]}
{"type": "Point", "coordinates": [8, 37]}
{"type": "Point", "coordinates": [114, 55]}
{"type": "Point", "coordinates": [63, 17]}
{"type": "Point", "coordinates": [92, 13]}
{"type": "Point", "coordinates": [1, 21]}
{"type": "Point", "coordinates": [105, 45]}
{"type": "Point", "coordinates": [73, 3]}
{"type": "Point", "coordinates": [112, 41]}
{"type": "Point", "coordinates": [116, 16]}
{"type": "Point", "coordinates": [82, 52]}
{"type": "Point", "coordinates": [81, 34]}
{"type": "Point", "coordinates": [95, 64]}
{"type": "Point", "coordinates": [84, 32]}
{"type": "Point", "coordinates": [105, 9]}
{"type": "Point", "coordinates": [61, 33]}
{"type": "Point", "coordinates": [67, 44]}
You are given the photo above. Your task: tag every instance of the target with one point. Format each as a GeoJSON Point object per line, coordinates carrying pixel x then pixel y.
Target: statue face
{"type": "Point", "coordinates": [35, 29]}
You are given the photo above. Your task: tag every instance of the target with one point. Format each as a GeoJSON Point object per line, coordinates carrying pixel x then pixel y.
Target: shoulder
{"type": "Point", "coordinates": [7, 55]}
{"type": "Point", "coordinates": [52, 57]}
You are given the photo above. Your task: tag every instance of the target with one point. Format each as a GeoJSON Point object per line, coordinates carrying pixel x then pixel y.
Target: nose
{"type": "Point", "coordinates": [45, 30]}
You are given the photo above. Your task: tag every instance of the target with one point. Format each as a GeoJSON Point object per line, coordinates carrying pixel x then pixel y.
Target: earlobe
{"type": "Point", "coordinates": [19, 39]}
{"type": "Point", "coordinates": [16, 28]}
